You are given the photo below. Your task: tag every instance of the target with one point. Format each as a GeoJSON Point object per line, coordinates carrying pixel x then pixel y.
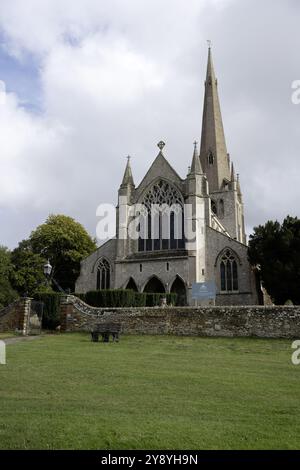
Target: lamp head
{"type": "Point", "coordinates": [47, 269]}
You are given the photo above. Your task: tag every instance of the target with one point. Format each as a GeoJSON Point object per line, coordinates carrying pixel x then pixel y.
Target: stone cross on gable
{"type": "Point", "coordinates": [161, 145]}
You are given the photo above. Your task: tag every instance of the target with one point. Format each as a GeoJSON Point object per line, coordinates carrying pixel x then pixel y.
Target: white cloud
{"type": "Point", "coordinates": [106, 73]}
{"type": "Point", "coordinates": [117, 76]}
{"type": "Point", "coordinates": [39, 25]}
{"type": "Point", "coordinates": [27, 145]}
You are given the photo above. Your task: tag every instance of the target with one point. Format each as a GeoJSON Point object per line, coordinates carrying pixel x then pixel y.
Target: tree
{"type": "Point", "coordinates": [7, 293]}
{"type": "Point", "coordinates": [276, 249]}
{"type": "Point", "coordinates": [27, 276]}
{"type": "Point", "coordinates": [65, 243]}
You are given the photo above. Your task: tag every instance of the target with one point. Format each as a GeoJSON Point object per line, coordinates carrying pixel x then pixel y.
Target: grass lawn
{"type": "Point", "coordinates": [6, 335]}
{"type": "Point", "coordinates": [64, 392]}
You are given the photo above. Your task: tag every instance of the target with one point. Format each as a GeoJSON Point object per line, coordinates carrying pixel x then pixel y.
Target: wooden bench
{"type": "Point", "coordinates": [105, 330]}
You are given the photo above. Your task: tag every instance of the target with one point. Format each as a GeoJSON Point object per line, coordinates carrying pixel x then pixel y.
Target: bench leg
{"type": "Point", "coordinates": [115, 337]}
{"type": "Point", "coordinates": [95, 337]}
{"type": "Point", "coordinates": [105, 337]}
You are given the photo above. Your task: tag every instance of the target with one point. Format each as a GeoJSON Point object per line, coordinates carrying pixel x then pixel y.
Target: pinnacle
{"type": "Point", "coordinates": [196, 165]}
{"type": "Point", "coordinates": [128, 178]}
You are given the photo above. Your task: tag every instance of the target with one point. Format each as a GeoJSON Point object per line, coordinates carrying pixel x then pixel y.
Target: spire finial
{"type": "Point", "coordinates": [209, 43]}
{"type": "Point", "coordinates": [195, 144]}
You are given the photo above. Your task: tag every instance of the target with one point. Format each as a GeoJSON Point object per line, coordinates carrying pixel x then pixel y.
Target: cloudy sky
{"type": "Point", "coordinates": [90, 81]}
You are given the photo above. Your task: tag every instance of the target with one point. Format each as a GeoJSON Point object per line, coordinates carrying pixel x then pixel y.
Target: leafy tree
{"type": "Point", "coordinates": [27, 276]}
{"type": "Point", "coordinates": [7, 293]}
{"type": "Point", "coordinates": [276, 249]}
{"type": "Point", "coordinates": [65, 243]}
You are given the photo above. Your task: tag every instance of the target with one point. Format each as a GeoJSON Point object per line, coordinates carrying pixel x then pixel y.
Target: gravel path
{"type": "Point", "coordinates": [20, 338]}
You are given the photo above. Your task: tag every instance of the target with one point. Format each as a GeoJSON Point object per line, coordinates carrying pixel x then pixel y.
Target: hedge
{"type": "Point", "coordinates": [125, 298]}
{"type": "Point", "coordinates": [100, 298]}
{"type": "Point", "coordinates": [51, 302]}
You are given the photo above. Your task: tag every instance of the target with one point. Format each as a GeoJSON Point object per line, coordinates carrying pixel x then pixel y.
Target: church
{"type": "Point", "coordinates": [211, 203]}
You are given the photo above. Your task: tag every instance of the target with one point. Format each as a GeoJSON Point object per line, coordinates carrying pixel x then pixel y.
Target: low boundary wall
{"type": "Point", "coordinates": [16, 316]}
{"type": "Point", "coordinates": [256, 321]}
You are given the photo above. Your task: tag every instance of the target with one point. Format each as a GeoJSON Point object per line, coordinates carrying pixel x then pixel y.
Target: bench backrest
{"type": "Point", "coordinates": [108, 328]}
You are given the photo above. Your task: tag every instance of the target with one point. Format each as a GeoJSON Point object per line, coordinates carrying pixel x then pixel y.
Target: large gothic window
{"type": "Point", "coordinates": [162, 223]}
{"type": "Point", "coordinates": [229, 273]}
{"type": "Point", "coordinates": [103, 275]}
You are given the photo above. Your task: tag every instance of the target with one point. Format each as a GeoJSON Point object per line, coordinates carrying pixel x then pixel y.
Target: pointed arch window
{"type": "Point", "coordinates": [210, 158]}
{"type": "Point", "coordinates": [103, 275]}
{"type": "Point", "coordinates": [229, 273]}
{"type": "Point", "coordinates": [214, 207]}
{"type": "Point", "coordinates": [162, 220]}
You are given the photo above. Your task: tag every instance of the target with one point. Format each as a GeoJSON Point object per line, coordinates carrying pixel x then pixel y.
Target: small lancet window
{"type": "Point", "coordinates": [214, 207]}
{"type": "Point", "coordinates": [210, 158]}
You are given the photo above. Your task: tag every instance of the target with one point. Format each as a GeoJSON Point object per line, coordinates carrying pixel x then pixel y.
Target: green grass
{"type": "Point", "coordinates": [64, 392]}
{"type": "Point", "coordinates": [7, 335]}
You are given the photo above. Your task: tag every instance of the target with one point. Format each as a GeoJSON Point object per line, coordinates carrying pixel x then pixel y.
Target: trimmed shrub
{"type": "Point", "coordinates": [140, 299]}
{"type": "Point", "coordinates": [172, 299]}
{"type": "Point", "coordinates": [110, 298]}
{"type": "Point", "coordinates": [81, 296]}
{"type": "Point", "coordinates": [51, 302]}
{"type": "Point", "coordinates": [125, 298]}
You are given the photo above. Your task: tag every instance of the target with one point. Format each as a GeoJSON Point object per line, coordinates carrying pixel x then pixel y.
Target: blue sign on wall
{"type": "Point", "coordinates": [204, 290]}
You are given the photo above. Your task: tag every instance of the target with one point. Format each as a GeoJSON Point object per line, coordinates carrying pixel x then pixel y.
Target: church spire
{"type": "Point", "coordinates": [128, 178]}
{"type": "Point", "coordinates": [213, 151]}
{"type": "Point", "coordinates": [196, 165]}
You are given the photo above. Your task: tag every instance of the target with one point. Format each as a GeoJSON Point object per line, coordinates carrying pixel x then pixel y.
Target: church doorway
{"type": "Point", "coordinates": [131, 285]}
{"type": "Point", "coordinates": [178, 287]}
{"type": "Point", "coordinates": [154, 286]}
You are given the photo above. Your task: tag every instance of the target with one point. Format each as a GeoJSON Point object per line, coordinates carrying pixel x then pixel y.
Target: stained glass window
{"type": "Point", "coordinates": [229, 273]}
{"type": "Point", "coordinates": [103, 275]}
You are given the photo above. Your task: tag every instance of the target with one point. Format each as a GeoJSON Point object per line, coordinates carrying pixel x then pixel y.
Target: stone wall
{"type": "Point", "coordinates": [248, 291]}
{"type": "Point", "coordinates": [264, 322]}
{"type": "Point", "coordinates": [16, 316]}
{"type": "Point", "coordinates": [88, 273]}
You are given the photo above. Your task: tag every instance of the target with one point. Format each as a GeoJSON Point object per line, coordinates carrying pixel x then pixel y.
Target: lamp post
{"type": "Point", "coordinates": [47, 271]}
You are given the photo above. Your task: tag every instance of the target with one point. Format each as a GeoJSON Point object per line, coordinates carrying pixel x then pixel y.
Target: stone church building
{"type": "Point", "coordinates": [171, 263]}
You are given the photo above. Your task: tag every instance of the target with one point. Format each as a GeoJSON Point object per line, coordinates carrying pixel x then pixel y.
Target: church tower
{"type": "Point", "coordinates": [174, 234]}
{"type": "Point", "coordinates": [224, 186]}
